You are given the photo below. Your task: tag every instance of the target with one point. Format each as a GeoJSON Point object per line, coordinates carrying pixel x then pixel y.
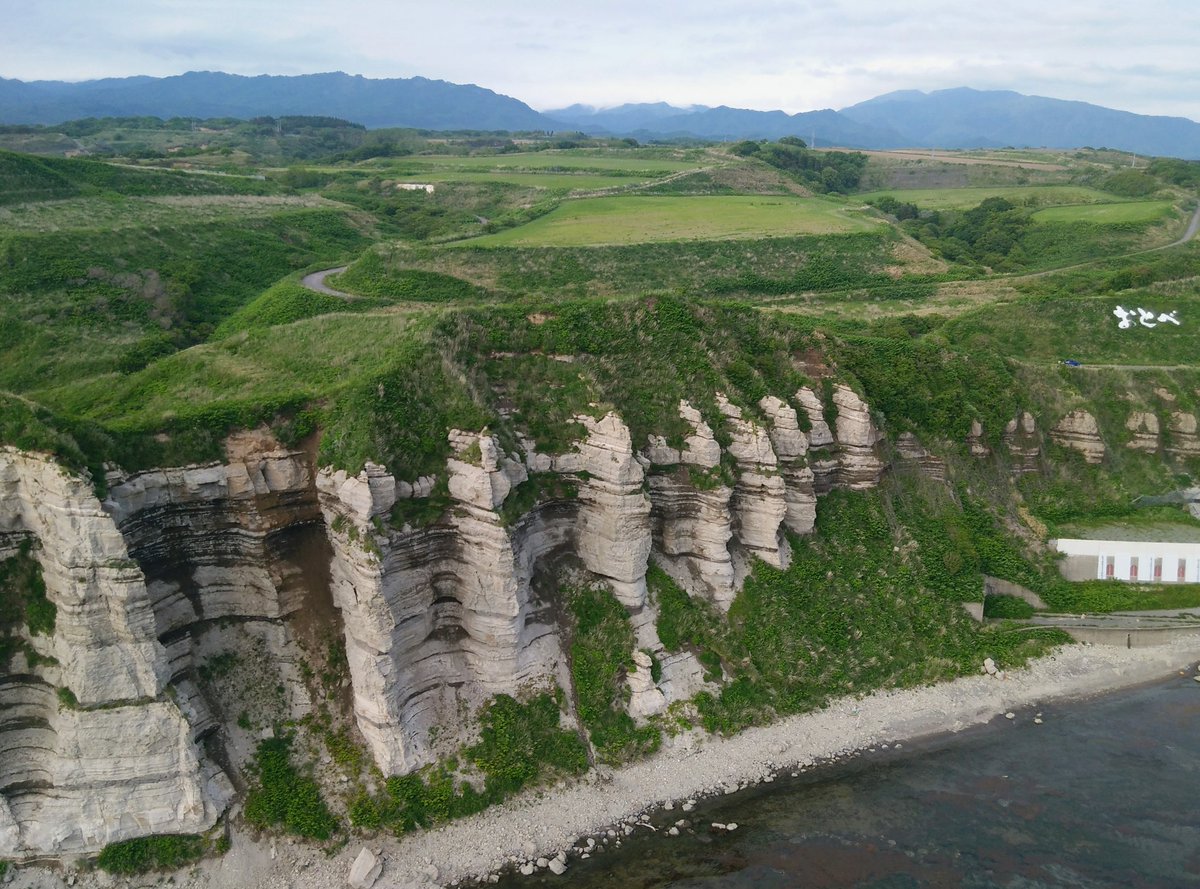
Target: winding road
{"type": "Point", "coordinates": [316, 281]}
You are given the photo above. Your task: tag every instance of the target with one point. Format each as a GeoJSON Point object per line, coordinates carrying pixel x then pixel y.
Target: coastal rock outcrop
{"type": "Point", "coordinates": [444, 592]}
{"type": "Point", "coordinates": [822, 459]}
{"type": "Point", "coordinates": [859, 463]}
{"type": "Point", "coordinates": [1144, 431]}
{"type": "Point", "coordinates": [645, 698]}
{"type": "Point", "coordinates": [791, 449]}
{"type": "Point", "coordinates": [439, 618]}
{"type": "Point", "coordinates": [759, 497]}
{"type": "Point", "coordinates": [1022, 442]}
{"type": "Point", "coordinates": [92, 750]}
{"type": "Point", "coordinates": [690, 514]}
{"type": "Point", "coordinates": [910, 450]}
{"type": "Point", "coordinates": [1182, 438]}
{"type": "Point", "coordinates": [1080, 431]}
{"type": "Point", "coordinates": [976, 446]}
{"type": "Point", "coordinates": [613, 534]}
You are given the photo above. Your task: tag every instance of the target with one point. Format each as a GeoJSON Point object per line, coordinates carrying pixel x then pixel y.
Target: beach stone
{"type": "Point", "coordinates": [543, 862]}
{"type": "Point", "coordinates": [1010, 715]}
{"type": "Point", "coordinates": [365, 870]}
{"type": "Point", "coordinates": [526, 869]}
{"type": "Point", "coordinates": [673, 832]}
{"type": "Point", "coordinates": [732, 825]}
{"type": "Point", "coordinates": [557, 866]}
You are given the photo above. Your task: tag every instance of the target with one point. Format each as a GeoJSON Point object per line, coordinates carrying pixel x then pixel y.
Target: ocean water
{"type": "Point", "coordinates": [1105, 793]}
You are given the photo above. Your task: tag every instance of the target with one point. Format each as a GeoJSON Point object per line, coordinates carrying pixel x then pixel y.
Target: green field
{"type": "Point", "coordinates": [1107, 214]}
{"type": "Point", "coordinates": [634, 220]}
{"type": "Point", "coordinates": [559, 170]}
{"type": "Point", "coordinates": [110, 213]}
{"type": "Point", "coordinates": [965, 198]}
{"type": "Point", "coordinates": [632, 162]}
{"type": "Point", "coordinates": [551, 180]}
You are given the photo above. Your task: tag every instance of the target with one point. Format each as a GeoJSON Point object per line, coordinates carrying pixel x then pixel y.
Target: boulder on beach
{"type": "Point", "coordinates": [366, 869]}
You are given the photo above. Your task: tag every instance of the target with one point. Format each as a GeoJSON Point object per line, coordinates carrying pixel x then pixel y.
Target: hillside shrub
{"type": "Point", "coordinates": [283, 797]}
{"type": "Point", "coordinates": [158, 852]}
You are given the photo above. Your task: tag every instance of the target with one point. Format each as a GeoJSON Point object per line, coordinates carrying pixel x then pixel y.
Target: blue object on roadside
{"type": "Point", "coordinates": [1071, 362]}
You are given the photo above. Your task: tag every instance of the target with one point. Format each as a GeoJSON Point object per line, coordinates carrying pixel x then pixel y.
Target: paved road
{"type": "Point", "coordinates": [1188, 233]}
{"type": "Point", "coordinates": [316, 281]}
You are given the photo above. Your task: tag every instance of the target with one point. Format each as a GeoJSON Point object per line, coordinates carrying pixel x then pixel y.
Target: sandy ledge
{"type": "Point", "coordinates": [689, 768]}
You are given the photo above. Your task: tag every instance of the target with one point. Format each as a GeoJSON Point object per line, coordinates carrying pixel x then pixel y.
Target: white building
{"type": "Point", "coordinates": [1141, 561]}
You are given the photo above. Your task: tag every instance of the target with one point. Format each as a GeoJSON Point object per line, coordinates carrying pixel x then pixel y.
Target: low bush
{"type": "Point", "coordinates": [1011, 607]}
{"type": "Point", "coordinates": [159, 852]}
{"type": "Point", "coordinates": [601, 655]}
{"type": "Point", "coordinates": [281, 796]}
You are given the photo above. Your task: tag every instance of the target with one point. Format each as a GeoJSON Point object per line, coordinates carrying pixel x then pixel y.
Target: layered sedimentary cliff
{"type": "Point", "coordinates": [268, 558]}
{"type": "Point", "coordinates": [92, 749]}
{"type": "Point", "coordinates": [1079, 431]}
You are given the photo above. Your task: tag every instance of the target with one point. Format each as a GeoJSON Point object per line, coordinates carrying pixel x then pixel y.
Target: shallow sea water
{"type": "Point", "coordinates": [1105, 793]}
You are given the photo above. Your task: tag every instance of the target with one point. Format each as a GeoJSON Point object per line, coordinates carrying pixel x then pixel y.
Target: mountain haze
{"type": "Point", "coordinates": [968, 118]}
{"type": "Point", "coordinates": [951, 118]}
{"type": "Point", "coordinates": [662, 120]}
{"type": "Point", "coordinates": [409, 102]}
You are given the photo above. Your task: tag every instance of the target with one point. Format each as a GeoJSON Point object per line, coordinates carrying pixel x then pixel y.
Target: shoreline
{"type": "Point", "coordinates": [688, 767]}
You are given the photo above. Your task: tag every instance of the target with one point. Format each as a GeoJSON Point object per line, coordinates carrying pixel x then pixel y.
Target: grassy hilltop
{"type": "Point", "coordinates": [147, 311]}
{"type": "Point", "coordinates": [151, 302]}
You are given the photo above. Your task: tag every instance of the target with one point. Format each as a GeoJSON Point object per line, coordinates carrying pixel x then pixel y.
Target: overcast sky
{"type": "Point", "coordinates": [797, 56]}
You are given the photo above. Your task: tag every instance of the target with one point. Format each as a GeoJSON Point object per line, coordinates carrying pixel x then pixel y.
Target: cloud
{"type": "Point", "coordinates": [758, 53]}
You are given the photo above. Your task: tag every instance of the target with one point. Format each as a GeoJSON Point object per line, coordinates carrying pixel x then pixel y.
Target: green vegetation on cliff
{"type": "Point", "coordinates": [159, 852]}
{"type": "Point", "coordinates": [848, 615]}
{"type": "Point", "coordinates": [146, 314]}
{"type": "Point", "coordinates": [283, 796]}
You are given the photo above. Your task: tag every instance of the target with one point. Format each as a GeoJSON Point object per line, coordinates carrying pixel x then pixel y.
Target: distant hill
{"type": "Point", "coordinates": [662, 120]}
{"type": "Point", "coordinates": [967, 118]}
{"type": "Point", "coordinates": [953, 118]}
{"type": "Point", "coordinates": [400, 102]}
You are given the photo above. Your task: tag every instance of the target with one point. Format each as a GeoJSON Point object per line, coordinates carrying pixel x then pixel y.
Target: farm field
{"type": "Point", "coordinates": [633, 162]}
{"type": "Point", "coordinates": [964, 198]}
{"type": "Point", "coordinates": [555, 181]}
{"type": "Point", "coordinates": [632, 220]}
{"type": "Point", "coordinates": [1106, 214]}
{"type": "Point", "coordinates": [111, 213]}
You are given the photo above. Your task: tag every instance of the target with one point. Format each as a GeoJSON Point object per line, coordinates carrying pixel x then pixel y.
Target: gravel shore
{"type": "Point", "coordinates": [690, 767]}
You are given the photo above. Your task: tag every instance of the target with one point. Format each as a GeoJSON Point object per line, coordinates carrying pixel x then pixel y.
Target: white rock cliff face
{"type": "Point", "coordinates": [759, 497]}
{"type": "Point", "coordinates": [859, 463]}
{"type": "Point", "coordinates": [436, 619]}
{"type": "Point", "coordinates": [791, 448]}
{"type": "Point", "coordinates": [692, 525]}
{"type": "Point", "coordinates": [613, 534]}
{"type": "Point", "coordinates": [74, 780]}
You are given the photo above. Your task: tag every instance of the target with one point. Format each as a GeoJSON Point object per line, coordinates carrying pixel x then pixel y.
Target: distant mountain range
{"type": "Point", "coordinates": [408, 102]}
{"type": "Point", "coordinates": [953, 118]}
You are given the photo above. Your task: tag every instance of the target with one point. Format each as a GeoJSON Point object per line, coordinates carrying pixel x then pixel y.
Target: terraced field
{"type": "Point", "coordinates": [964, 198]}
{"type": "Point", "coordinates": [1106, 214]}
{"type": "Point", "coordinates": [634, 220]}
